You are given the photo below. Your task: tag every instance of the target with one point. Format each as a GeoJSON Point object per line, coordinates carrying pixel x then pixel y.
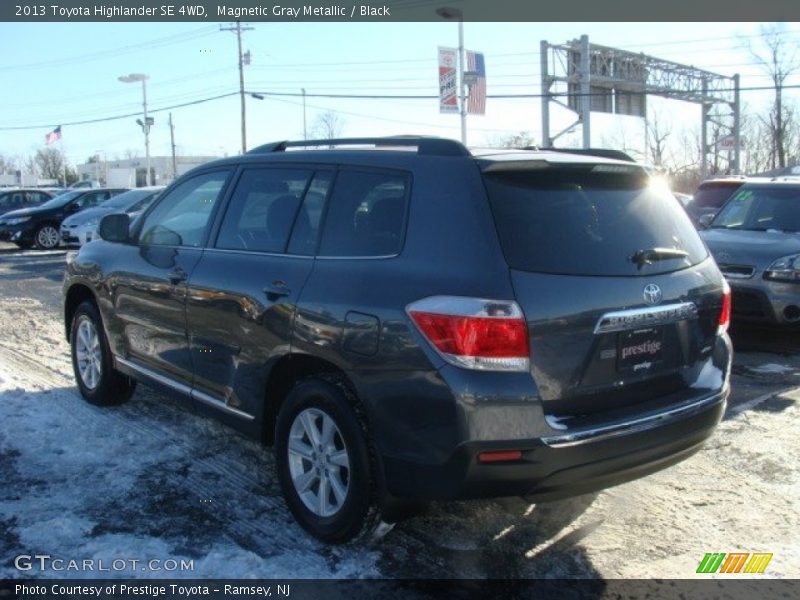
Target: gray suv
{"type": "Point", "coordinates": [409, 321]}
{"type": "Point", "coordinates": [755, 239]}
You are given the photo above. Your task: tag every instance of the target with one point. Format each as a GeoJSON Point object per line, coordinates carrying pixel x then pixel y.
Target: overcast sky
{"type": "Point", "coordinates": [54, 74]}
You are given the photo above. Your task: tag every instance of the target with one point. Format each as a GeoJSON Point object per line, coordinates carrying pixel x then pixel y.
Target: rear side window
{"type": "Point", "coordinates": [575, 221]}
{"type": "Point", "coordinates": [306, 226]}
{"type": "Point", "coordinates": [263, 209]}
{"type": "Point", "coordinates": [366, 216]}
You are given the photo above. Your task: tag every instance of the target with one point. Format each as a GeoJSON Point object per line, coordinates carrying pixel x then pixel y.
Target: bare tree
{"type": "Point", "coordinates": [522, 139]}
{"type": "Point", "coordinates": [327, 126]}
{"type": "Point", "coordinates": [657, 135]}
{"type": "Point", "coordinates": [779, 59]}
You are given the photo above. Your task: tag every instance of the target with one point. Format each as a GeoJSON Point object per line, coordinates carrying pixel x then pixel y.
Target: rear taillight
{"type": "Point", "coordinates": [725, 313]}
{"type": "Point", "coordinates": [473, 333]}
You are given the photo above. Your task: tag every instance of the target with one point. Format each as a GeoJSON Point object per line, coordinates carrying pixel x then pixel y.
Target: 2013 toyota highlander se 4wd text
{"type": "Point", "coordinates": [407, 321]}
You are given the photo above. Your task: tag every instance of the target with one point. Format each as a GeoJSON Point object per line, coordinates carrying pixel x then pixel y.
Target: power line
{"type": "Point", "coordinates": [117, 117]}
{"type": "Point", "coordinates": [277, 95]}
{"type": "Point", "coordinates": [114, 52]}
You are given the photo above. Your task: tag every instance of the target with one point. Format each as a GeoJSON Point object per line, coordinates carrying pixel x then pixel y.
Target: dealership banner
{"type": "Point", "coordinates": [448, 94]}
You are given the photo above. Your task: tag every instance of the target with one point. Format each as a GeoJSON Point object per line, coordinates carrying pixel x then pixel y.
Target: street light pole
{"type": "Point", "coordinates": [450, 13]}
{"type": "Point", "coordinates": [148, 178]}
{"type": "Point", "coordinates": [133, 78]}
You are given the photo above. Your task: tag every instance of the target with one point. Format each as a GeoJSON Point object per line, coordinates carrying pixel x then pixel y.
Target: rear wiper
{"type": "Point", "coordinates": [651, 255]}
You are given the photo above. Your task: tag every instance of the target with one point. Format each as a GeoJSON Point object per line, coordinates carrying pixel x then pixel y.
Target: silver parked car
{"type": "Point", "coordinates": [82, 227]}
{"type": "Point", "coordinates": [755, 239]}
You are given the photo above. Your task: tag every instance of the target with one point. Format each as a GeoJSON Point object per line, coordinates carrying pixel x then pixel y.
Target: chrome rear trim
{"type": "Point", "coordinates": [596, 434]}
{"type": "Point", "coordinates": [645, 317]}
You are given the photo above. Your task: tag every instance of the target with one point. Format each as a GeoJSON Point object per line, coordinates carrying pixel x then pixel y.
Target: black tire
{"type": "Point", "coordinates": [45, 239]}
{"type": "Point", "coordinates": [110, 387]}
{"type": "Point", "coordinates": [358, 514]}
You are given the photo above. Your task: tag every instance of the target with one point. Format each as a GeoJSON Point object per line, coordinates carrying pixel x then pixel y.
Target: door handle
{"type": "Point", "coordinates": [177, 276]}
{"type": "Point", "coordinates": [276, 289]}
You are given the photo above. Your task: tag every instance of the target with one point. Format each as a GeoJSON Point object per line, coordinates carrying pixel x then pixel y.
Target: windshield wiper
{"type": "Point", "coordinates": [651, 255]}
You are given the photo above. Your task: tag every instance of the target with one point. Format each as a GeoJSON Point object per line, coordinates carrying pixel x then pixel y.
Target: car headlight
{"type": "Point", "coordinates": [786, 268]}
{"type": "Point", "coordinates": [17, 221]}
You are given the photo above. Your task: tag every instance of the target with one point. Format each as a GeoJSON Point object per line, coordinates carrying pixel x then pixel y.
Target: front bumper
{"type": "Point", "coordinates": [16, 233]}
{"type": "Point", "coordinates": [77, 236]}
{"type": "Point", "coordinates": [565, 465]}
{"type": "Point", "coordinates": [759, 300]}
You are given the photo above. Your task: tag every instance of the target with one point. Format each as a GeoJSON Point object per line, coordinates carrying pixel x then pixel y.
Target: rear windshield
{"type": "Point", "coordinates": [575, 221]}
{"type": "Point", "coordinates": [714, 195]}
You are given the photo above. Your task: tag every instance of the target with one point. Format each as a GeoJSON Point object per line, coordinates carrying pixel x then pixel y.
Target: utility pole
{"type": "Point", "coordinates": [172, 143]}
{"type": "Point", "coordinates": [305, 131]}
{"type": "Point", "coordinates": [239, 29]}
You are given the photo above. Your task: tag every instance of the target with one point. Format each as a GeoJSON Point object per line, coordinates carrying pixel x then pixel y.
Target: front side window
{"type": "Point", "coordinates": [182, 216]}
{"type": "Point", "coordinates": [263, 209]}
{"type": "Point", "coordinates": [366, 216]}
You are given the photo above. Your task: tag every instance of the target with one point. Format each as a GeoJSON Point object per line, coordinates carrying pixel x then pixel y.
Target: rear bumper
{"type": "Point", "coordinates": [564, 465]}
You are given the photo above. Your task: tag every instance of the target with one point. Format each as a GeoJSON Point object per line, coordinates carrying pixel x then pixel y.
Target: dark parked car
{"type": "Point", "coordinates": [39, 225]}
{"type": "Point", "coordinates": [22, 198]}
{"type": "Point", "coordinates": [709, 198]}
{"type": "Point", "coordinates": [406, 321]}
{"type": "Point", "coordinates": [755, 239]}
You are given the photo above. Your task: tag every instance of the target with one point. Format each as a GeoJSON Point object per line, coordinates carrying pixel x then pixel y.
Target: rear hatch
{"type": "Point", "coordinates": [621, 298]}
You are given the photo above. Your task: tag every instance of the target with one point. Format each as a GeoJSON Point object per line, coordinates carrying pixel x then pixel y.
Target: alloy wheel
{"type": "Point", "coordinates": [319, 464]}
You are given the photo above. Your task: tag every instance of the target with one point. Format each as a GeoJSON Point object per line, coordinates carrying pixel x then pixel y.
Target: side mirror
{"type": "Point", "coordinates": [74, 207]}
{"type": "Point", "coordinates": [114, 228]}
{"type": "Point", "coordinates": [704, 221]}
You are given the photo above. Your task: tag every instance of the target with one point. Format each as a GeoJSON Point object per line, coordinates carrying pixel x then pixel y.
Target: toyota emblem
{"type": "Point", "coordinates": [652, 293]}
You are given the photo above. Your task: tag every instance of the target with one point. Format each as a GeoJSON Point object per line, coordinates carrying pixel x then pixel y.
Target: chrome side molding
{"type": "Point", "coordinates": [183, 389]}
{"type": "Point", "coordinates": [645, 317]}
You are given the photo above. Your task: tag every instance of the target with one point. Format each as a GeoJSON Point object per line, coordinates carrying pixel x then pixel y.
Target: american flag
{"type": "Point", "coordinates": [53, 136]}
{"type": "Point", "coordinates": [476, 102]}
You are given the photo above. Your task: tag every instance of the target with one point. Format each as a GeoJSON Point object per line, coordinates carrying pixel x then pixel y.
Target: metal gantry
{"type": "Point", "coordinates": [594, 78]}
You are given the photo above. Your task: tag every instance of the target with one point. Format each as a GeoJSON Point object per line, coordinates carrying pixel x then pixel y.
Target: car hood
{"type": "Point", "coordinates": [752, 248]}
{"type": "Point", "coordinates": [87, 215]}
{"type": "Point", "coordinates": [20, 212]}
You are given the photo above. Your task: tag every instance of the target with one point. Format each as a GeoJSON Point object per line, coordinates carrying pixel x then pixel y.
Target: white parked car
{"type": "Point", "coordinates": [82, 227]}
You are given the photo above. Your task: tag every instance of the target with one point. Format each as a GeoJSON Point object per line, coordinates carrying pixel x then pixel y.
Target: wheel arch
{"type": "Point", "coordinates": [290, 369]}
{"type": "Point", "coordinates": [76, 294]}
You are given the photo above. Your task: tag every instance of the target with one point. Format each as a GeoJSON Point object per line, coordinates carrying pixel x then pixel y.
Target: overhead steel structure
{"type": "Point", "coordinates": [597, 78]}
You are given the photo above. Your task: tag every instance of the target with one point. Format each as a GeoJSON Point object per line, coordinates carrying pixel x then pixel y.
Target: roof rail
{"type": "Point", "coordinates": [431, 146]}
{"type": "Point", "coordinates": [601, 152]}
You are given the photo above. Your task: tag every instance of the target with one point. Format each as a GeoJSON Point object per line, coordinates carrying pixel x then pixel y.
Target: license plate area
{"type": "Point", "coordinates": [640, 349]}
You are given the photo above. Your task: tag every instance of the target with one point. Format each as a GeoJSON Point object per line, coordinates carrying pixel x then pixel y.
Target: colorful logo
{"type": "Point", "coordinates": [734, 562]}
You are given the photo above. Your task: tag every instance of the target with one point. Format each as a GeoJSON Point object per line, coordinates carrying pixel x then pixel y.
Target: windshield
{"type": "Point", "coordinates": [122, 201]}
{"type": "Point", "coordinates": [754, 208]}
{"type": "Point", "coordinates": [575, 221]}
{"type": "Point", "coordinates": [714, 195]}
{"type": "Point", "coordinates": [61, 200]}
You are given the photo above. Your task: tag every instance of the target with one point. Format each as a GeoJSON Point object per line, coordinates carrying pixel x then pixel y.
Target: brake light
{"type": "Point", "coordinates": [473, 333]}
{"type": "Point", "coordinates": [725, 313]}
